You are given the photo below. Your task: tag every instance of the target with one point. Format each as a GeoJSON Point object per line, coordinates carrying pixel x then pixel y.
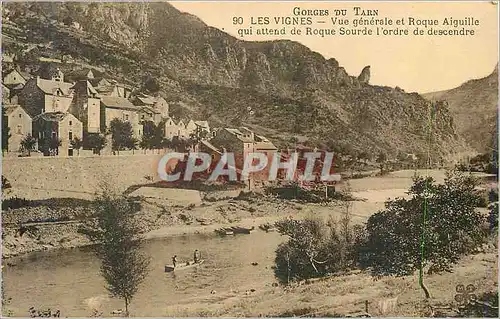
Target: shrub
{"type": "Point", "coordinates": [396, 236]}
{"type": "Point", "coordinates": [16, 202]}
{"type": "Point", "coordinates": [315, 248]}
{"type": "Point", "coordinates": [487, 307]}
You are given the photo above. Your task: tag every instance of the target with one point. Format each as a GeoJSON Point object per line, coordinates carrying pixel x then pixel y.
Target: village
{"type": "Point", "coordinates": [153, 164]}
{"type": "Point", "coordinates": [52, 113]}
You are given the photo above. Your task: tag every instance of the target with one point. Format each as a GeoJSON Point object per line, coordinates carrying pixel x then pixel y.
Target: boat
{"type": "Point", "coordinates": [224, 231]}
{"type": "Point", "coordinates": [182, 266]}
{"type": "Point", "coordinates": [242, 230]}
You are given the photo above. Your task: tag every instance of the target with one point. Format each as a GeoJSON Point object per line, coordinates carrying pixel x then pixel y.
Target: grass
{"type": "Point", "coordinates": [346, 295]}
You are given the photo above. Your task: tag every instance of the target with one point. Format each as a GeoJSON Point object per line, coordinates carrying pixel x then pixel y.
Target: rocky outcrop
{"type": "Point", "coordinates": [209, 68]}
{"type": "Point", "coordinates": [364, 76]}
{"type": "Point", "coordinates": [473, 106]}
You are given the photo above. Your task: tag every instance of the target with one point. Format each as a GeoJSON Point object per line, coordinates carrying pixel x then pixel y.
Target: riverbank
{"type": "Point", "coordinates": [160, 220]}
{"type": "Point", "coordinates": [175, 212]}
{"type": "Point", "coordinates": [347, 295]}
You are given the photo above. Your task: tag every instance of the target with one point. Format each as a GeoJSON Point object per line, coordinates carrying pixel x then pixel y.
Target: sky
{"type": "Point", "coordinates": [414, 63]}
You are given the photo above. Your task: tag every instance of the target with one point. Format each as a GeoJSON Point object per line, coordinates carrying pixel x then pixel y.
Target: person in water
{"type": "Point", "coordinates": [174, 260]}
{"type": "Point", "coordinates": [196, 256]}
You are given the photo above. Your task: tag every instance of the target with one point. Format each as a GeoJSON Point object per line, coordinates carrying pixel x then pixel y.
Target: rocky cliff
{"type": "Point", "coordinates": [292, 91]}
{"type": "Point", "coordinates": [474, 107]}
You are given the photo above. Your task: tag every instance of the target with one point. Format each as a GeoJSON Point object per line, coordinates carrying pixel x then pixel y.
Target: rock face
{"type": "Point", "coordinates": [220, 76]}
{"type": "Point", "coordinates": [473, 106]}
{"type": "Point", "coordinates": [364, 76]}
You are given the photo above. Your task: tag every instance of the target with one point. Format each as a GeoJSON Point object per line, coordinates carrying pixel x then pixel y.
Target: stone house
{"type": "Point", "coordinates": [233, 140]}
{"type": "Point", "coordinates": [86, 106]}
{"type": "Point", "coordinates": [147, 113]}
{"type": "Point", "coordinates": [20, 125]}
{"type": "Point", "coordinates": [190, 128]}
{"type": "Point", "coordinates": [111, 88]}
{"type": "Point", "coordinates": [156, 103]}
{"type": "Point", "coordinates": [119, 107]}
{"type": "Point", "coordinates": [181, 129]}
{"type": "Point", "coordinates": [162, 106]}
{"type": "Point", "coordinates": [61, 126]}
{"type": "Point", "coordinates": [40, 95]}
{"type": "Point", "coordinates": [241, 142]}
{"type": "Point", "coordinates": [203, 128]}
{"type": "Point", "coordinates": [171, 129]}
{"type": "Point", "coordinates": [15, 77]}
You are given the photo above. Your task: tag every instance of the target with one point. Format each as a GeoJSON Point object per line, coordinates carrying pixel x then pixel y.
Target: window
{"type": "Point", "coordinates": [142, 117]}
{"type": "Point", "coordinates": [20, 115]}
{"type": "Point", "coordinates": [70, 136]}
{"type": "Point", "coordinates": [126, 117]}
{"type": "Point", "coordinates": [19, 129]}
{"type": "Point", "coordinates": [70, 123]}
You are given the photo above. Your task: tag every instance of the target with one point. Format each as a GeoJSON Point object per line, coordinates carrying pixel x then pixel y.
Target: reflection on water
{"type": "Point", "coordinates": [69, 280]}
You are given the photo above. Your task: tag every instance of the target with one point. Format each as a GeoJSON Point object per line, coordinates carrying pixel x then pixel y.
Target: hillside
{"type": "Point", "coordinates": [473, 106]}
{"type": "Point", "coordinates": [281, 88]}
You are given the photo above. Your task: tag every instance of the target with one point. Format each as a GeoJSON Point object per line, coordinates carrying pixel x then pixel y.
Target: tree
{"type": "Point", "coordinates": [117, 241]}
{"type": "Point", "coordinates": [5, 131]}
{"type": "Point", "coordinates": [431, 230]}
{"type": "Point", "coordinates": [301, 256]}
{"type": "Point", "coordinates": [77, 144]}
{"type": "Point", "coordinates": [28, 143]}
{"type": "Point", "coordinates": [316, 248]}
{"type": "Point", "coordinates": [95, 141]}
{"type": "Point", "coordinates": [381, 159]}
{"type": "Point", "coordinates": [51, 145]}
{"type": "Point", "coordinates": [151, 85]}
{"type": "Point", "coordinates": [121, 135]}
{"type": "Point", "coordinates": [153, 137]}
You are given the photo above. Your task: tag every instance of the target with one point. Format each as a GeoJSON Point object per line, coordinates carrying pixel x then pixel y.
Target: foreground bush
{"type": "Point", "coordinates": [486, 307]}
{"type": "Point", "coordinates": [431, 230]}
{"type": "Point", "coordinates": [435, 227]}
{"type": "Point", "coordinates": [315, 248]}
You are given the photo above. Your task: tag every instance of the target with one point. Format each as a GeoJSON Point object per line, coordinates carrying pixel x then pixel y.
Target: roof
{"type": "Point", "coordinates": [260, 138]}
{"type": "Point", "coordinates": [51, 116]}
{"type": "Point", "coordinates": [95, 81]}
{"type": "Point", "coordinates": [9, 108]}
{"type": "Point", "coordinates": [50, 87]}
{"type": "Point", "coordinates": [118, 103]}
{"type": "Point", "coordinates": [170, 120]}
{"type": "Point", "coordinates": [148, 109]}
{"type": "Point", "coordinates": [202, 123]}
{"type": "Point", "coordinates": [265, 146]}
{"type": "Point", "coordinates": [237, 133]}
{"type": "Point", "coordinates": [148, 100]}
{"type": "Point", "coordinates": [210, 146]}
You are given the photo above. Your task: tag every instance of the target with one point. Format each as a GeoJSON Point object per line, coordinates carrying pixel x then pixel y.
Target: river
{"type": "Point", "coordinates": [69, 280]}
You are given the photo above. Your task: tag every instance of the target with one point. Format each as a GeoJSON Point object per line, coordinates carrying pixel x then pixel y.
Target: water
{"type": "Point", "coordinates": [69, 280]}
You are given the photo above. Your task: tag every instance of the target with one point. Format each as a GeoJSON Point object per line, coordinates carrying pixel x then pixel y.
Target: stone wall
{"type": "Point", "coordinates": [77, 176]}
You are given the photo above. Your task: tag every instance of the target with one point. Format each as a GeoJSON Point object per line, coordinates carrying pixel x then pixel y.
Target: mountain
{"type": "Point", "coordinates": [279, 88]}
{"type": "Point", "coordinates": [474, 107]}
